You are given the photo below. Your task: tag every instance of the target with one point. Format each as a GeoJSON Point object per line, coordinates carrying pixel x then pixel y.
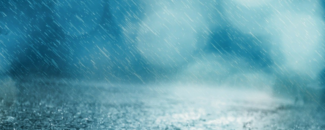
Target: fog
{"type": "Point", "coordinates": [270, 46]}
{"type": "Point", "coordinates": [212, 42]}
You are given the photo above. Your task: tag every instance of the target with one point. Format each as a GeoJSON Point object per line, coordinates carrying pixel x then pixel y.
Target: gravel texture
{"type": "Point", "coordinates": [68, 106]}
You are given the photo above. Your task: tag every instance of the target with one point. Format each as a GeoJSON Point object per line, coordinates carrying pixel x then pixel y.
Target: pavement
{"type": "Point", "coordinates": [94, 106]}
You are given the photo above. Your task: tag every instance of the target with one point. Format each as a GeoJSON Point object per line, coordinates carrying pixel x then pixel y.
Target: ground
{"type": "Point", "coordinates": [43, 105]}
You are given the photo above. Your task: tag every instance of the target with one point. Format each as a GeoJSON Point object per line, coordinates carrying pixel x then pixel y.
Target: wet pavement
{"type": "Point", "coordinates": [42, 105]}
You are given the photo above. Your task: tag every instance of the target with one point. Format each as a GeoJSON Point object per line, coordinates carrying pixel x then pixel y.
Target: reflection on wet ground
{"type": "Point", "coordinates": [75, 106]}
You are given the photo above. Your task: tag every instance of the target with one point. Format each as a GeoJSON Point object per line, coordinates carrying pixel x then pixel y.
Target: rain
{"type": "Point", "coordinates": [162, 64]}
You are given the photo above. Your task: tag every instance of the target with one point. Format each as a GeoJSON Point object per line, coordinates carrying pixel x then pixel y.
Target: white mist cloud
{"type": "Point", "coordinates": [170, 32]}
{"type": "Point", "coordinates": [168, 38]}
{"type": "Point", "coordinates": [294, 27]}
{"type": "Point", "coordinates": [294, 30]}
{"type": "Point", "coordinates": [300, 40]}
{"type": "Point", "coordinates": [225, 71]}
{"type": "Point", "coordinates": [252, 3]}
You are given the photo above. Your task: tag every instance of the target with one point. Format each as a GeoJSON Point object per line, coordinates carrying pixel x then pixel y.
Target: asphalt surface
{"type": "Point", "coordinates": [42, 105]}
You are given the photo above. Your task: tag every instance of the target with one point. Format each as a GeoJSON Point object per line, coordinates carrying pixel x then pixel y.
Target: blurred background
{"type": "Point", "coordinates": [272, 46]}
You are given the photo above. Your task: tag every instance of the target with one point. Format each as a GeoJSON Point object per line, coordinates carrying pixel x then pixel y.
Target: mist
{"type": "Point", "coordinates": [260, 44]}
{"type": "Point", "coordinates": [212, 42]}
{"type": "Point", "coordinates": [268, 49]}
